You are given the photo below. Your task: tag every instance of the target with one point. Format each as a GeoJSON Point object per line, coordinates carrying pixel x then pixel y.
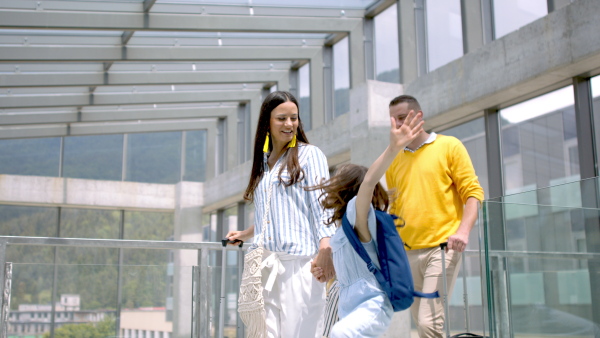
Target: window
{"type": "Point", "coordinates": [154, 157]}
{"type": "Point", "coordinates": [387, 59]}
{"type": "Point", "coordinates": [595, 82]}
{"type": "Point", "coordinates": [510, 15]}
{"type": "Point", "coordinates": [537, 136]}
{"type": "Point", "coordinates": [341, 77]}
{"type": "Point", "coordinates": [304, 96]}
{"type": "Point", "coordinates": [35, 156]}
{"type": "Point", "coordinates": [195, 156]}
{"type": "Point", "coordinates": [98, 157]}
{"type": "Point", "coordinates": [444, 32]}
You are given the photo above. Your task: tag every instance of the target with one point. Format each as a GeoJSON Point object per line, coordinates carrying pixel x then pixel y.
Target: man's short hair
{"type": "Point", "coordinates": [413, 104]}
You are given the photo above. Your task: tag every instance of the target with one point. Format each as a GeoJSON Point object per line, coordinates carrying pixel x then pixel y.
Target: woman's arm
{"type": "Point", "coordinates": [400, 137]}
{"type": "Point", "coordinates": [243, 235]}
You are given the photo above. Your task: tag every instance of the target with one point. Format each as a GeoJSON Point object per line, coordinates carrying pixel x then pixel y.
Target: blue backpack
{"type": "Point", "coordinates": [394, 276]}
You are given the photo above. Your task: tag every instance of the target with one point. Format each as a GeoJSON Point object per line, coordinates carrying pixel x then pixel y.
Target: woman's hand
{"type": "Point", "coordinates": [242, 235]}
{"type": "Point", "coordinates": [322, 266]}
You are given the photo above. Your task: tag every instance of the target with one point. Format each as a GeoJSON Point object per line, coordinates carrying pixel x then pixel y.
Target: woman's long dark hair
{"type": "Point", "coordinates": [264, 122]}
{"type": "Point", "coordinates": [343, 186]}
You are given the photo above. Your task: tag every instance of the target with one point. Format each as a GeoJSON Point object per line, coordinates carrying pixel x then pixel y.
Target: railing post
{"type": "Point", "coordinates": [203, 289]}
{"type": "Point", "coordinates": [3, 277]}
{"type": "Point", "coordinates": [6, 298]}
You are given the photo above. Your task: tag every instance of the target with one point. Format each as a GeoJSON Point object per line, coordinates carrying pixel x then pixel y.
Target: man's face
{"type": "Point", "coordinates": [399, 113]}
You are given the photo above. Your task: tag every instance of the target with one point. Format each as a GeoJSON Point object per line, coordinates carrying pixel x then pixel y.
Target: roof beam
{"type": "Point", "coordinates": [73, 116]}
{"type": "Point", "coordinates": [128, 98]}
{"type": "Point", "coordinates": [78, 129]}
{"type": "Point", "coordinates": [138, 53]}
{"type": "Point", "coordinates": [136, 78]}
{"type": "Point", "coordinates": [127, 21]}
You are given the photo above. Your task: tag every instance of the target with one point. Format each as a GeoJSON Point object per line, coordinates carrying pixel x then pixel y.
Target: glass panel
{"type": "Point", "coordinates": [28, 221]}
{"type": "Point", "coordinates": [32, 274]}
{"type": "Point", "coordinates": [232, 284]}
{"type": "Point", "coordinates": [148, 275]}
{"type": "Point", "coordinates": [304, 96]}
{"type": "Point", "coordinates": [98, 157]}
{"type": "Point", "coordinates": [472, 135]}
{"type": "Point", "coordinates": [154, 157]}
{"type": "Point", "coordinates": [510, 15]}
{"type": "Point", "coordinates": [387, 59]}
{"type": "Point", "coordinates": [195, 156]}
{"type": "Point", "coordinates": [36, 156]}
{"type": "Point", "coordinates": [538, 138]}
{"type": "Point", "coordinates": [595, 82]}
{"type": "Point", "coordinates": [89, 223]}
{"type": "Point", "coordinates": [151, 226]}
{"type": "Point", "coordinates": [549, 271]}
{"type": "Point", "coordinates": [444, 32]}
{"type": "Point", "coordinates": [341, 77]}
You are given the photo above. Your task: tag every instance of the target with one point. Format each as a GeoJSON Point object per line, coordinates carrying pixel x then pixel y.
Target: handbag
{"type": "Point", "coordinates": [251, 304]}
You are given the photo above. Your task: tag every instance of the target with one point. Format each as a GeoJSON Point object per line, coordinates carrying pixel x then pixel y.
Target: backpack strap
{"type": "Point", "coordinates": [358, 247]}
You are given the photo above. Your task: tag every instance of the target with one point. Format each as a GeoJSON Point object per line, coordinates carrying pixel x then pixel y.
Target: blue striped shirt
{"type": "Point", "coordinates": [296, 218]}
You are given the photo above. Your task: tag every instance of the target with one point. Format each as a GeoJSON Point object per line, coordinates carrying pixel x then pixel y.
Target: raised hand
{"type": "Point", "coordinates": [403, 134]}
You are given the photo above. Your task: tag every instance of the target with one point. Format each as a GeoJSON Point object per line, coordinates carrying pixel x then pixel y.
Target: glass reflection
{"type": "Point", "coordinates": [387, 59]}
{"type": "Point", "coordinates": [195, 156]}
{"type": "Point", "coordinates": [444, 32]}
{"type": "Point", "coordinates": [510, 15]}
{"type": "Point", "coordinates": [35, 156]}
{"type": "Point", "coordinates": [595, 83]}
{"type": "Point", "coordinates": [154, 157]}
{"type": "Point", "coordinates": [97, 157]}
{"type": "Point", "coordinates": [341, 77]}
{"type": "Point", "coordinates": [304, 96]}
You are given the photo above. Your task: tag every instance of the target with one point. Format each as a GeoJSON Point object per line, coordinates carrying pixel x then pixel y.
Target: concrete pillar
{"type": "Point", "coordinates": [188, 215]}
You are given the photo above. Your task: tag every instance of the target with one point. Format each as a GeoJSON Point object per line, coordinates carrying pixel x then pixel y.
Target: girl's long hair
{"type": "Point", "coordinates": [343, 186]}
{"type": "Point", "coordinates": [291, 156]}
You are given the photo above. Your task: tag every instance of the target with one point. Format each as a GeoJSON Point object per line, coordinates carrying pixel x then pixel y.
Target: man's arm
{"type": "Point", "coordinates": [460, 239]}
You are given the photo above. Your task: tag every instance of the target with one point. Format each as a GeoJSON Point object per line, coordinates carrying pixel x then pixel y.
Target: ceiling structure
{"type": "Point", "coordinates": [71, 67]}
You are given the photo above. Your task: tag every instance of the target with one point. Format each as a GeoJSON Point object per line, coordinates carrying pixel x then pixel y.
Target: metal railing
{"type": "Point", "coordinates": [200, 274]}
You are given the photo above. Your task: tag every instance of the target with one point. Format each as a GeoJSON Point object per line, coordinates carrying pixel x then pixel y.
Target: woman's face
{"type": "Point", "coordinates": [283, 124]}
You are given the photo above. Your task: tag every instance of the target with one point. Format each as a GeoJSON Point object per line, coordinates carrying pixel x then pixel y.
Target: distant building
{"type": "Point", "coordinates": [33, 320]}
{"type": "Point", "coordinates": [145, 322]}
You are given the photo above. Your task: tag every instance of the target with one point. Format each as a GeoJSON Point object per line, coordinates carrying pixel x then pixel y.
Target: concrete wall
{"type": "Point", "coordinates": [540, 56]}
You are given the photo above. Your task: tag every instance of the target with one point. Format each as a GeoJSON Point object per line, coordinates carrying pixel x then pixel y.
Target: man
{"type": "Point", "coordinates": [437, 194]}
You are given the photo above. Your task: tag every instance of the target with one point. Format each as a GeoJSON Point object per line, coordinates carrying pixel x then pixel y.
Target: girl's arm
{"type": "Point", "coordinates": [400, 137]}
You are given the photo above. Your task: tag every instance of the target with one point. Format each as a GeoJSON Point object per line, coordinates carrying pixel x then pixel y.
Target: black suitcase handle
{"type": "Point", "coordinates": [226, 241]}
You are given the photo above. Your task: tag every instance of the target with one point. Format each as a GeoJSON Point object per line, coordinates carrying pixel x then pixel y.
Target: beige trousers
{"type": "Point", "coordinates": [426, 267]}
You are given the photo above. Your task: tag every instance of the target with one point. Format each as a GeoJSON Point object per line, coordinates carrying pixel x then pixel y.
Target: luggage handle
{"type": "Point", "coordinates": [443, 247]}
{"type": "Point", "coordinates": [226, 241]}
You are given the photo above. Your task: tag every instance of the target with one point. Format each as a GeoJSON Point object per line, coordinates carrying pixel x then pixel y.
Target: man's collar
{"type": "Point", "coordinates": [430, 139]}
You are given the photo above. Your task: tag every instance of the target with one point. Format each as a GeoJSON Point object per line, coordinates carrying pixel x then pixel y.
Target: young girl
{"type": "Point", "coordinates": [364, 309]}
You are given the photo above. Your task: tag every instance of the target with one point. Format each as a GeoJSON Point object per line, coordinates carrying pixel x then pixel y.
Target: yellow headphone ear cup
{"type": "Point", "coordinates": [266, 146]}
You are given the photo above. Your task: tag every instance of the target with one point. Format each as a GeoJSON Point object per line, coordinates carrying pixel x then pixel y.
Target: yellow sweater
{"type": "Point", "coordinates": [430, 187]}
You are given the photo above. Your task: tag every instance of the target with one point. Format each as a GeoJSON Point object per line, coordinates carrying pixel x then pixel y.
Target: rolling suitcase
{"type": "Point", "coordinates": [446, 300]}
{"type": "Point", "coordinates": [224, 242]}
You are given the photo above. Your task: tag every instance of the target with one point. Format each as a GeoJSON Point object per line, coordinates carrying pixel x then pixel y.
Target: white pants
{"type": "Point", "coordinates": [295, 305]}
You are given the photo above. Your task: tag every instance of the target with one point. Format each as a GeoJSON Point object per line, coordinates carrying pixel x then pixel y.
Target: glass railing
{"type": "Point", "coordinates": [542, 259]}
{"type": "Point", "coordinates": [118, 288]}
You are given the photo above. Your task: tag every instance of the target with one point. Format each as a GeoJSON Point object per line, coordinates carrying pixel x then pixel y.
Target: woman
{"type": "Point", "coordinates": [294, 228]}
